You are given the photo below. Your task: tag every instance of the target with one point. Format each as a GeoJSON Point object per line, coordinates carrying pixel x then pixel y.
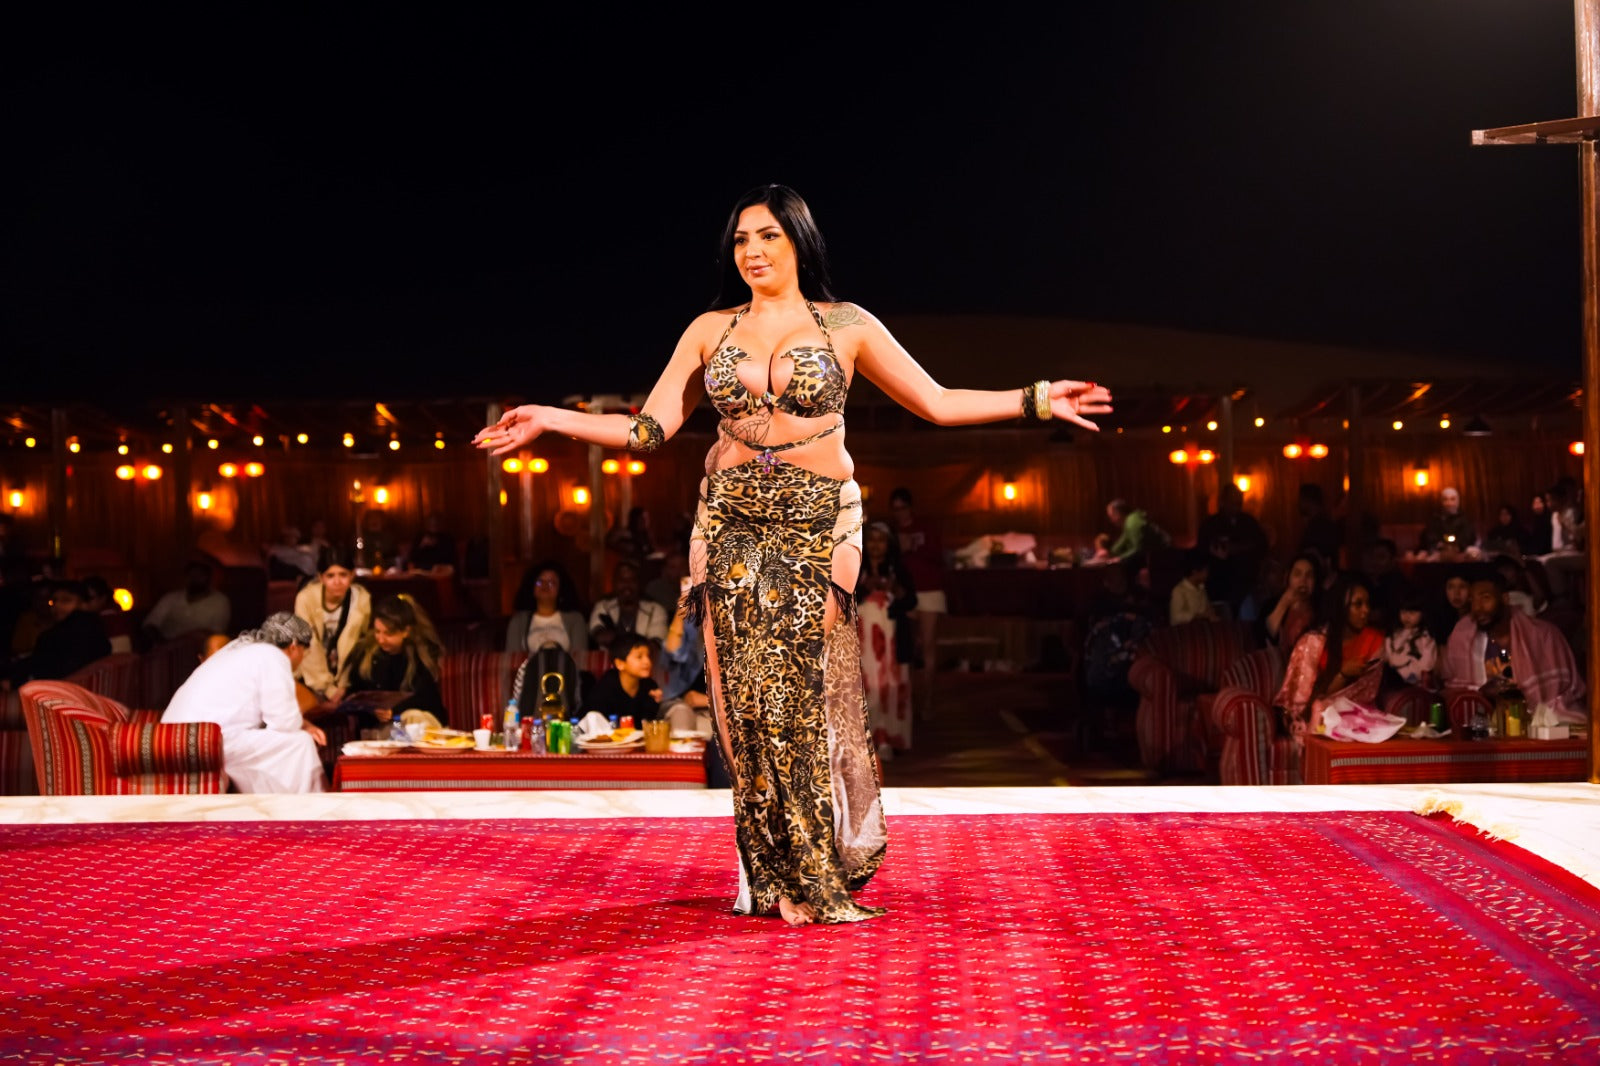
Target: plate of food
{"type": "Point", "coordinates": [445, 740]}
{"type": "Point", "coordinates": [616, 740]}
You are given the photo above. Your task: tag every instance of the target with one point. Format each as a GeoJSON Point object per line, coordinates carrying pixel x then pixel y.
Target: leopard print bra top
{"type": "Point", "coordinates": [816, 388]}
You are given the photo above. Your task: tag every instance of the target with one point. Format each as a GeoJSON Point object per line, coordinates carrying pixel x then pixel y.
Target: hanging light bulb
{"type": "Point", "coordinates": [1318, 451]}
{"type": "Point", "coordinates": [610, 466]}
{"type": "Point", "coordinates": [228, 470]}
{"type": "Point", "coordinates": [635, 466]}
{"type": "Point", "coordinates": [258, 440]}
{"type": "Point", "coordinates": [126, 472]}
{"type": "Point", "coordinates": [303, 438]}
{"type": "Point", "coordinates": [538, 466]}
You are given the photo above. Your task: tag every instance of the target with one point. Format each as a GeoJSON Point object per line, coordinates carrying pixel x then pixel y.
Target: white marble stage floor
{"type": "Point", "coordinates": [1559, 822]}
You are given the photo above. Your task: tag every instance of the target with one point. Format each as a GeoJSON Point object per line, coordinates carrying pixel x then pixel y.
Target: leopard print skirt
{"type": "Point", "coordinates": [787, 699]}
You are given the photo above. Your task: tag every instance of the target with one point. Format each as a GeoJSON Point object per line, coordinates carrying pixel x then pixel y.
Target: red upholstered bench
{"type": "Point", "coordinates": [86, 744]}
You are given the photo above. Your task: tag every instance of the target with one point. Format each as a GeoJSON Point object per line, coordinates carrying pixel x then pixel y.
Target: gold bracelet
{"type": "Point", "coordinates": [1041, 401]}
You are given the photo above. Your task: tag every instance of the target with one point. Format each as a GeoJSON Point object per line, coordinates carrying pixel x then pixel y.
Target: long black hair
{"type": "Point", "coordinates": [811, 254]}
{"type": "Point", "coordinates": [1336, 615]}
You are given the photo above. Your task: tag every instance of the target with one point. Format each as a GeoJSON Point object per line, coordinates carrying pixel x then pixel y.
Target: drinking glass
{"type": "Point", "coordinates": [657, 735]}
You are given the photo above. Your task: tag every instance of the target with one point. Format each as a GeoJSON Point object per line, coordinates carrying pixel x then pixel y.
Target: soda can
{"type": "Point", "coordinates": [627, 721]}
{"type": "Point", "coordinates": [560, 737]}
{"type": "Point", "coordinates": [525, 743]}
{"type": "Point", "coordinates": [486, 721]}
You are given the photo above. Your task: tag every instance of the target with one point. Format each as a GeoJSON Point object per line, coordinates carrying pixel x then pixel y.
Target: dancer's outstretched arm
{"type": "Point", "coordinates": [675, 394]}
{"type": "Point", "coordinates": [889, 366]}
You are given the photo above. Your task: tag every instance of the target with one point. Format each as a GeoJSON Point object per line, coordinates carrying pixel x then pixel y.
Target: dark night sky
{"type": "Point", "coordinates": [340, 207]}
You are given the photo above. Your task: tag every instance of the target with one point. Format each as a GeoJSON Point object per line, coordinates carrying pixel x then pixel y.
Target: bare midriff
{"type": "Point", "coordinates": [826, 457]}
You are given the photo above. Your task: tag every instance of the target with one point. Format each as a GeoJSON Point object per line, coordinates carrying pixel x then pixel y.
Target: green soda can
{"type": "Point", "coordinates": [560, 739]}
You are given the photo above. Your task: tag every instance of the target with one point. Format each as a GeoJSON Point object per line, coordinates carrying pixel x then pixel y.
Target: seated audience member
{"type": "Point", "coordinates": [1380, 565]}
{"type": "Point", "coordinates": [1237, 544]}
{"type": "Point", "coordinates": [1539, 520]}
{"type": "Point", "coordinates": [290, 560]}
{"type": "Point", "coordinates": [1322, 533]}
{"type": "Point", "coordinates": [666, 588]}
{"type": "Point", "coordinates": [99, 600]}
{"type": "Point", "coordinates": [1342, 657]}
{"type": "Point", "coordinates": [1519, 589]}
{"type": "Point", "coordinates": [195, 606]}
{"type": "Point", "coordinates": [97, 597]}
{"type": "Point", "coordinates": [628, 688]}
{"type": "Point", "coordinates": [1508, 536]}
{"type": "Point", "coordinates": [1449, 530]}
{"type": "Point", "coordinates": [434, 549]}
{"type": "Point", "coordinates": [75, 639]}
{"type": "Point", "coordinates": [1496, 648]}
{"type": "Point", "coordinates": [339, 611]}
{"type": "Point", "coordinates": [247, 688]}
{"type": "Point", "coordinates": [34, 618]}
{"type": "Point", "coordinates": [1189, 598]}
{"type": "Point", "coordinates": [1567, 560]}
{"type": "Point", "coordinates": [1409, 651]}
{"type": "Point", "coordinates": [376, 548]}
{"type": "Point", "coordinates": [546, 612]}
{"type": "Point", "coordinates": [1451, 607]}
{"type": "Point", "coordinates": [683, 691]}
{"type": "Point", "coordinates": [1137, 534]}
{"type": "Point", "coordinates": [400, 653]}
{"type": "Point", "coordinates": [1292, 613]}
{"type": "Point", "coordinates": [632, 539]}
{"type": "Point", "coordinates": [625, 612]}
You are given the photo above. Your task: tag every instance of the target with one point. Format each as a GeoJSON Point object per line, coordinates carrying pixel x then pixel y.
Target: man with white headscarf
{"type": "Point", "coordinates": [247, 688]}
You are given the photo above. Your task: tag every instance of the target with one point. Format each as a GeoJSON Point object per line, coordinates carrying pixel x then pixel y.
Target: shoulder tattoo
{"type": "Point", "coordinates": [841, 315]}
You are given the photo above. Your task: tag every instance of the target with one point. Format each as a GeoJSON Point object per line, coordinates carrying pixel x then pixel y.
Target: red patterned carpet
{"type": "Point", "coordinates": [1346, 937]}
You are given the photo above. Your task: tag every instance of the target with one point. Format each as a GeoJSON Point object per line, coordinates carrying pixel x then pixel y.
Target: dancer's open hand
{"type": "Point", "coordinates": [1072, 400]}
{"type": "Point", "coordinates": [517, 427]}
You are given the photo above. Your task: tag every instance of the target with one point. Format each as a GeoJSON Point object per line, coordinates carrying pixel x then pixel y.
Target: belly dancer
{"type": "Point", "coordinates": [776, 546]}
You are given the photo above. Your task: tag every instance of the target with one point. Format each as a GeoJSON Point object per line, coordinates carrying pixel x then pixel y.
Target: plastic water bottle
{"type": "Point", "coordinates": [397, 730]}
{"type": "Point", "coordinates": [511, 725]}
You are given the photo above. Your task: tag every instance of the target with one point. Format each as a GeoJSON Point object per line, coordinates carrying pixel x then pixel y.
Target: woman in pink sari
{"type": "Point", "coordinates": [884, 597]}
{"type": "Point", "coordinates": [1316, 674]}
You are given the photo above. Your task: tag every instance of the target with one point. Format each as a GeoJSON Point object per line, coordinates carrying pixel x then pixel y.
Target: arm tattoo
{"type": "Point", "coordinates": [841, 315]}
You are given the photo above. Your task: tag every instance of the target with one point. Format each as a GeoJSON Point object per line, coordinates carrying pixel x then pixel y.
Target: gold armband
{"type": "Point", "coordinates": [644, 434]}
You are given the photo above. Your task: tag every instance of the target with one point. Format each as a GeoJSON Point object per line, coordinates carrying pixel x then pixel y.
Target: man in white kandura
{"type": "Point", "coordinates": [247, 688]}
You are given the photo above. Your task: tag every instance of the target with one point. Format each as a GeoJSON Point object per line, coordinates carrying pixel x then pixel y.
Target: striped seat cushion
{"type": "Point", "coordinates": [146, 747]}
{"type": "Point", "coordinates": [475, 683]}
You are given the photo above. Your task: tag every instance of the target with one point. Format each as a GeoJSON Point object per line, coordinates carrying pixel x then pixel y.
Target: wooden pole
{"type": "Point", "coordinates": [1355, 476]}
{"type": "Point", "coordinates": [57, 503]}
{"type": "Point", "coordinates": [1587, 20]}
{"type": "Point", "coordinates": [597, 524]}
{"type": "Point", "coordinates": [183, 489]}
{"type": "Point", "coordinates": [1225, 468]}
{"type": "Point", "coordinates": [497, 523]}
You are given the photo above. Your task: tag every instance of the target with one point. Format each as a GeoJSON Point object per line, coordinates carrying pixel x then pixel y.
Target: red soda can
{"type": "Point", "coordinates": [626, 723]}
{"type": "Point", "coordinates": [525, 743]}
{"type": "Point", "coordinates": [486, 721]}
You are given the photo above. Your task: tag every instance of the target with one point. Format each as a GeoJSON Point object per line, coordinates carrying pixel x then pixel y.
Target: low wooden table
{"type": "Point", "coordinates": [1421, 762]}
{"type": "Point", "coordinates": [472, 770]}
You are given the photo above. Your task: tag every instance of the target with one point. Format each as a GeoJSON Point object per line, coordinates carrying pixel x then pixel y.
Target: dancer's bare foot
{"type": "Point", "coordinates": [796, 913]}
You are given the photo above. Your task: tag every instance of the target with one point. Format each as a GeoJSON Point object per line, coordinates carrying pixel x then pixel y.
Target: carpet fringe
{"type": "Point", "coordinates": [1438, 803]}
